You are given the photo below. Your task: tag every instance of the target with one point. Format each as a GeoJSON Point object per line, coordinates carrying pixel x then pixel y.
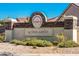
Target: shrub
{"type": "Point", "coordinates": [70, 43]}
{"type": "Point", "coordinates": [55, 43]}
{"type": "Point", "coordinates": [38, 42]}
{"type": "Point", "coordinates": [67, 44]}
{"type": "Point", "coordinates": [60, 37]}
{"type": "Point", "coordinates": [47, 43]}
{"type": "Point", "coordinates": [1, 38]}
{"type": "Point", "coordinates": [13, 41]}
{"type": "Point", "coordinates": [61, 44]}
{"type": "Point", "coordinates": [18, 42]}
{"type": "Point", "coordinates": [33, 42]}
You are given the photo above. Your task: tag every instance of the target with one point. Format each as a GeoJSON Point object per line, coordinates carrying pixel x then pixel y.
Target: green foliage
{"type": "Point", "coordinates": [33, 42]}
{"type": "Point", "coordinates": [18, 42]}
{"type": "Point", "coordinates": [55, 43]}
{"type": "Point", "coordinates": [1, 38]}
{"type": "Point", "coordinates": [1, 23]}
{"type": "Point", "coordinates": [67, 44]}
{"type": "Point", "coordinates": [60, 37]}
{"type": "Point", "coordinates": [62, 42]}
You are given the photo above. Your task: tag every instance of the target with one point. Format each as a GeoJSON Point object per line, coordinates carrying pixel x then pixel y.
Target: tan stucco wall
{"type": "Point", "coordinates": [8, 35]}
{"type": "Point", "coordinates": [68, 34]}
{"type": "Point", "coordinates": [20, 33]}
{"type": "Point", "coordinates": [78, 34]}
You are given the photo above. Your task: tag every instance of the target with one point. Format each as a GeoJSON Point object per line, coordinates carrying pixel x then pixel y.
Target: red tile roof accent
{"type": "Point", "coordinates": [22, 20]}
{"type": "Point", "coordinates": [52, 19]}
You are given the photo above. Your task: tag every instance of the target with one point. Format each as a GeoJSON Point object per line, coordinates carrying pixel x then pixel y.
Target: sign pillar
{"type": "Point", "coordinates": [70, 27]}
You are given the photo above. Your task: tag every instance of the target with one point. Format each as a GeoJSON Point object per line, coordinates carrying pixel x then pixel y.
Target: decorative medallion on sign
{"type": "Point", "coordinates": [37, 19]}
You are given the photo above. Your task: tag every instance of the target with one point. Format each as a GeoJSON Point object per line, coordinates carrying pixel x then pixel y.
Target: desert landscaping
{"type": "Point", "coordinates": [29, 50]}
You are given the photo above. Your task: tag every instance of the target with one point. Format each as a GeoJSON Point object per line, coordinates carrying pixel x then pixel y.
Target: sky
{"type": "Point", "coordinates": [16, 10]}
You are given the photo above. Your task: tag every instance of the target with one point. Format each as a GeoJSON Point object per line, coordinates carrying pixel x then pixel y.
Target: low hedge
{"type": "Point", "coordinates": [67, 44]}
{"type": "Point", "coordinates": [55, 43]}
{"type": "Point", "coordinates": [32, 42]}
{"type": "Point", "coordinates": [45, 43]}
{"type": "Point", "coordinates": [18, 42]}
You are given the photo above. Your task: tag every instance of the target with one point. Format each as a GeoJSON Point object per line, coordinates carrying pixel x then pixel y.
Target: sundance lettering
{"type": "Point", "coordinates": [37, 31]}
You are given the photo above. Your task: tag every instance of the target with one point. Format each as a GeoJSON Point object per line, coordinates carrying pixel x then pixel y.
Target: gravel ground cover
{"type": "Point", "coordinates": [8, 49]}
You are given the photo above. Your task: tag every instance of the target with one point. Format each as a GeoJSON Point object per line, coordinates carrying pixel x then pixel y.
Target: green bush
{"type": "Point", "coordinates": [55, 43]}
{"type": "Point", "coordinates": [70, 43]}
{"type": "Point", "coordinates": [67, 44]}
{"type": "Point", "coordinates": [33, 42]}
{"type": "Point", "coordinates": [18, 42]}
{"type": "Point", "coordinates": [38, 42]}
{"type": "Point", "coordinates": [1, 38]}
{"type": "Point", "coordinates": [61, 44]}
{"type": "Point", "coordinates": [47, 43]}
{"type": "Point", "coordinates": [60, 37]}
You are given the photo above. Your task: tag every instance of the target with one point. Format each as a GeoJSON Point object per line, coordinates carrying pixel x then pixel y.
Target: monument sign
{"type": "Point", "coordinates": [37, 20]}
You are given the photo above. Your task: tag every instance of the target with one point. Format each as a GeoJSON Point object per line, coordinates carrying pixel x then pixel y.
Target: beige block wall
{"type": "Point", "coordinates": [58, 30]}
{"type": "Point", "coordinates": [19, 33]}
{"type": "Point", "coordinates": [78, 34]}
{"type": "Point", "coordinates": [8, 35]}
{"type": "Point", "coordinates": [68, 34]}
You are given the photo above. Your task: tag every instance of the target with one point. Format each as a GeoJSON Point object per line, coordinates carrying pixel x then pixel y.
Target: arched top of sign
{"type": "Point", "coordinates": [38, 19]}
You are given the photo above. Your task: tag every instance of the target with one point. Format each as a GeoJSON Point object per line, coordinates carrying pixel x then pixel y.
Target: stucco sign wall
{"type": "Point", "coordinates": [39, 32]}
